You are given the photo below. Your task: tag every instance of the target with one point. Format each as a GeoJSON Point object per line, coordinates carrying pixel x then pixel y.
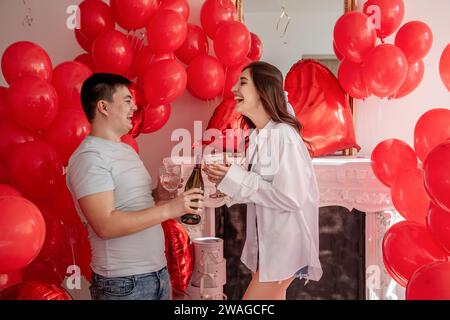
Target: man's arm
{"type": "Point", "coordinates": [108, 223]}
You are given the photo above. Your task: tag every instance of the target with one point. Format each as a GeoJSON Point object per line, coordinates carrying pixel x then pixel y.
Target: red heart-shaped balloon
{"type": "Point", "coordinates": [322, 107]}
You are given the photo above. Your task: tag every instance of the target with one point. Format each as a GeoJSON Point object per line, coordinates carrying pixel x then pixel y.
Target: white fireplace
{"type": "Point", "coordinates": [343, 181]}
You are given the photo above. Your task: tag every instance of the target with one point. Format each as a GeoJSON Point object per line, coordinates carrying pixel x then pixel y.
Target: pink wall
{"type": "Point", "coordinates": [379, 119]}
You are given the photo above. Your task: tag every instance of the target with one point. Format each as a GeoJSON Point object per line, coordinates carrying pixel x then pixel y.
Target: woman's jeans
{"type": "Point", "coordinates": [147, 286]}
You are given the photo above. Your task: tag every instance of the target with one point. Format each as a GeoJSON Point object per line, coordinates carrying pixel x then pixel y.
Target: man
{"type": "Point", "coordinates": [112, 193]}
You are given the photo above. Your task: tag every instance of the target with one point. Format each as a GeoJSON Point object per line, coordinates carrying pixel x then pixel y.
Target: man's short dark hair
{"type": "Point", "coordinates": [99, 86]}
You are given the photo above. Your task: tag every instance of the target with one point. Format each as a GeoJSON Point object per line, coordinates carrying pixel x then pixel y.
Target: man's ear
{"type": "Point", "coordinates": [102, 107]}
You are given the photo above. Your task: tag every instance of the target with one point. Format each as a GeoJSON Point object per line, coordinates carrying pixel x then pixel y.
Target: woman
{"type": "Point", "coordinates": [279, 188]}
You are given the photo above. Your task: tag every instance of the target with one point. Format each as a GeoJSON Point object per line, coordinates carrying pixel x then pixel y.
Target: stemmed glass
{"type": "Point", "coordinates": [170, 177]}
{"type": "Point", "coordinates": [214, 158]}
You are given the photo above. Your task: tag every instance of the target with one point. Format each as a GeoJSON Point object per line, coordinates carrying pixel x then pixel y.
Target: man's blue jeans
{"type": "Point", "coordinates": [147, 286]}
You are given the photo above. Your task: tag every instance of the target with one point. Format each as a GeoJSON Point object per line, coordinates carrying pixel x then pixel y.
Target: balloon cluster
{"type": "Point", "coordinates": [384, 70]}
{"type": "Point", "coordinates": [155, 46]}
{"type": "Point", "coordinates": [415, 251]}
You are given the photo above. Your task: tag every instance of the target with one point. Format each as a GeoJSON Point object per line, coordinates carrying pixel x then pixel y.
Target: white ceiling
{"type": "Point", "coordinates": [251, 6]}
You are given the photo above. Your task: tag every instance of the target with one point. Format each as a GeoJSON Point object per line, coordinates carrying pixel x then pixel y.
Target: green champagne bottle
{"type": "Point", "coordinates": [195, 181]}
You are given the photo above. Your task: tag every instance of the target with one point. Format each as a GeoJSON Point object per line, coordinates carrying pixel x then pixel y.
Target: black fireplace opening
{"type": "Point", "coordinates": [342, 255]}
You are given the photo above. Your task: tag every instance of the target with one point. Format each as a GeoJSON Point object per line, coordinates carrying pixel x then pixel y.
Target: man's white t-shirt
{"type": "Point", "coordinates": [100, 165]}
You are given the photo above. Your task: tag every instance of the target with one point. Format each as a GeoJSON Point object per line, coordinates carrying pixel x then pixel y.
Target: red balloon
{"type": "Point", "coordinates": [61, 207]}
{"type": "Point", "coordinates": [155, 118]}
{"type": "Point", "coordinates": [432, 128]}
{"type": "Point", "coordinates": [22, 233]}
{"type": "Point", "coordinates": [179, 253]}
{"type": "Point", "coordinates": [351, 80]}
{"type": "Point", "coordinates": [407, 246]}
{"type": "Point", "coordinates": [10, 279]}
{"type": "Point", "coordinates": [412, 81]}
{"type": "Point", "coordinates": [96, 17]}
{"type": "Point", "coordinates": [206, 77]}
{"type": "Point", "coordinates": [86, 59]}
{"type": "Point", "coordinates": [25, 58]}
{"type": "Point", "coordinates": [133, 14]}
{"type": "Point", "coordinates": [437, 175]}
{"type": "Point", "coordinates": [3, 174]}
{"type": "Point", "coordinates": [232, 76]}
{"type": "Point", "coordinates": [180, 6]}
{"type": "Point", "coordinates": [84, 42]}
{"type": "Point", "coordinates": [384, 70]}
{"type": "Point", "coordinates": [32, 102]}
{"type": "Point", "coordinates": [68, 77]}
{"type": "Point", "coordinates": [415, 38]}
{"type": "Point", "coordinates": [112, 52]}
{"type": "Point", "coordinates": [232, 43]}
{"type": "Point", "coordinates": [387, 15]}
{"type": "Point", "coordinates": [128, 139]}
{"type": "Point", "coordinates": [35, 290]}
{"type": "Point", "coordinates": [444, 67]}
{"type": "Point", "coordinates": [195, 44]}
{"type": "Point", "coordinates": [339, 55]}
{"type": "Point", "coordinates": [354, 35]}
{"type": "Point", "coordinates": [6, 190]}
{"type": "Point", "coordinates": [66, 132]}
{"type": "Point", "coordinates": [145, 58]}
{"type": "Point", "coordinates": [164, 81]}
{"type": "Point", "coordinates": [431, 282]}
{"type": "Point", "coordinates": [215, 12]}
{"type": "Point", "coordinates": [3, 107]}
{"type": "Point", "coordinates": [35, 169]}
{"type": "Point", "coordinates": [12, 135]}
{"type": "Point", "coordinates": [438, 223]}
{"type": "Point", "coordinates": [256, 48]}
{"type": "Point", "coordinates": [321, 106]}
{"type": "Point", "coordinates": [409, 195]}
{"type": "Point", "coordinates": [45, 271]}
{"type": "Point", "coordinates": [390, 157]}
{"type": "Point", "coordinates": [166, 31]}
{"type": "Point", "coordinates": [137, 120]}
{"type": "Point", "coordinates": [223, 115]}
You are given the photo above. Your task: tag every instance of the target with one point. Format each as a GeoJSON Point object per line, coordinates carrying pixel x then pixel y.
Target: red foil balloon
{"type": "Point", "coordinates": [390, 157]}
{"type": "Point", "coordinates": [388, 13]}
{"type": "Point", "coordinates": [10, 279]}
{"type": "Point", "coordinates": [164, 81]}
{"type": "Point", "coordinates": [354, 35]}
{"type": "Point", "coordinates": [195, 44]}
{"type": "Point", "coordinates": [180, 6]}
{"type": "Point", "coordinates": [384, 70]}
{"type": "Point", "coordinates": [412, 81]}
{"type": "Point", "coordinates": [166, 31]}
{"type": "Point", "coordinates": [431, 282]}
{"type": "Point", "coordinates": [22, 233]}
{"type": "Point", "coordinates": [256, 48]}
{"type": "Point", "coordinates": [206, 77]}
{"type": "Point", "coordinates": [35, 169]}
{"type": "Point", "coordinates": [26, 58]}
{"type": "Point", "coordinates": [232, 43]}
{"type": "Point", "coordinates": [409, 195]}
{"type": "Point", "coordinates": [32, 102]}
{"type": "Point", "coordinates": [68, 77]}
{"type": "Point", "coordinates": [444, 67]}
{"type": "Point", "coordinates": [96, 17]}
{"type": "Point", "coordinates": [34, 290]}
{"type": "Point", "coordinates": [128, 139]}
{"type": "Point", "coordinates": [179, 254]}
{"type": "Point", "coordinates": [133, 14]}
{"type": "Point", "coordinates": [66, 132]}
{"type": "Point", "coordinates": [215, 12]}
{"type": "Point", "coordinates": [155, 118]}
{"type": "Point", "coordinates": [415, 38]}
{"type": "Point", "coordinates": [432, 128]}
{"type": "Point", "coordinates": [438, 223]}
{"type": "Point", "coordinates": [113, 53]}
{"type": "Point", "coordinates": [407, 246]}
{"type": "Point", "coordinates": [322, 108]}
{"type": "Point", "coordinates": [437, 175]}
{"type": "Point", "coordinates": [12, 135]}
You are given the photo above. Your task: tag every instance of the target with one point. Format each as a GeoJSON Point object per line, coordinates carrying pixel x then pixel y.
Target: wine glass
{"type": "Point", "coordinates": [170, 177]}
{"type": "Point", "coordinates": [214, 158]}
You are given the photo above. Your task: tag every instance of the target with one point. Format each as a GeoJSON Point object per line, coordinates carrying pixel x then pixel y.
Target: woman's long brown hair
{"type": "Point", "coordinates": [268, 81]}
